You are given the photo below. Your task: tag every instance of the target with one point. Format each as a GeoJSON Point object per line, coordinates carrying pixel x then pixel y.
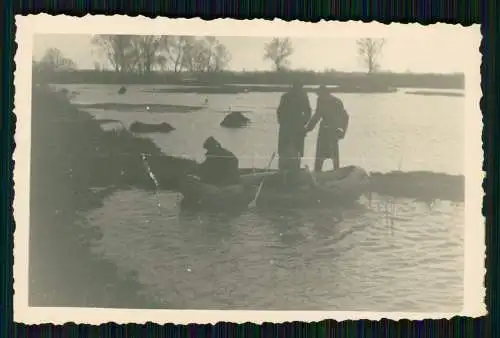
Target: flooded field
{"type": "Point", "coordinates": [378, 255]}
{"type": "Point", "coordinates": [386, 131]}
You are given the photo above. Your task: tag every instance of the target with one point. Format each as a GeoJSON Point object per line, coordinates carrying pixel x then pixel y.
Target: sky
{"type": "Point", "coordinates": [428, 53]}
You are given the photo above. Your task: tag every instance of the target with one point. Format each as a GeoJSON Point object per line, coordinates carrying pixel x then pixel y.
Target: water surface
{"type": "Point", "coordinates": [368, 257]}
{"type": "Point", "coordinates": [409, 260]}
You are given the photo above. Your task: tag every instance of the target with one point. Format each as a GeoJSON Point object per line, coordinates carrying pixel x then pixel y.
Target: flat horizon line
{"type": "Point", "coordinates": [388, 72]}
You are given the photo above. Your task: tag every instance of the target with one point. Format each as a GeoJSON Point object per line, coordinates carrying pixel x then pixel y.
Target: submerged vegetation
{"type": "Point", "coordinates": [140, 127]}
{"type": "Point", "coordinates": [435, 93]}
{"type": "Point", "coordinates": [235, 119]}
{"type": "Point", "coordinates": [420, 185]}
{"type": "Point", "coordinates": [150, 108]}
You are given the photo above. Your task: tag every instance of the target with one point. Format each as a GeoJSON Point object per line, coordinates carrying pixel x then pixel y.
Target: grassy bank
{"type": "Point", "coordinates": [421, 185]}
{"type": "Point", "coordinates": [344, 79]}
{"type": "Point", "coordinates": [71, 157]}
{"type": "Point", "coordinates": [434, 93]}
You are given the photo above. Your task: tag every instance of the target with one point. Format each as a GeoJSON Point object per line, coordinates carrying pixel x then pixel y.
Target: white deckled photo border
{"type": "Point", "coordinates": [28, 26]}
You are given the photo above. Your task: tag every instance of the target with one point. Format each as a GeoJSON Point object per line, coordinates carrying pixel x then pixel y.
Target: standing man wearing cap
{"type": "Point", "coordinates": [334, 121]}
{"type": "Point", "coordinates": [293, 113]}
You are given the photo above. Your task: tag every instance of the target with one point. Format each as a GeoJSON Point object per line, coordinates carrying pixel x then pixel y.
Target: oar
{"type": "Point", "coordinates": [253, 204]}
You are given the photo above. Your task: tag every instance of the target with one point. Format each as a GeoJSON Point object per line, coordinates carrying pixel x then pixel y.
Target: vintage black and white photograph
{"type": "Point", "coordinates": [171, 167]}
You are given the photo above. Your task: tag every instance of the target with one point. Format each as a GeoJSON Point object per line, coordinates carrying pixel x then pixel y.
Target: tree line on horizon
{"type": "Point", "coordinates": [143, 54]}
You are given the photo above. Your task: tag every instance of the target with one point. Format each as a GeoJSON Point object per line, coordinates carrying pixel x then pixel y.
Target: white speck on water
{"type": "Point", "coordinates": [147, 108]}
{"type": "Point", "coordinates": [188, 269]}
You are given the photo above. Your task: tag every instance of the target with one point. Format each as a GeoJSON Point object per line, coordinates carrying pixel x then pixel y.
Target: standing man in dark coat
{"type": "Point", "coordinates": [334, 122]}
{"type": "Point", "coordinates": [293, 113]}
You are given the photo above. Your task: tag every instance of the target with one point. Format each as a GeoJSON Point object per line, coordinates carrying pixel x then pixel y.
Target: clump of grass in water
{"type": "Point", "coordinates": [389, 205]}
{"type": "Point", "coordinates": [390, 213]}
{"type": "Point", "coordinates": [430, 203]}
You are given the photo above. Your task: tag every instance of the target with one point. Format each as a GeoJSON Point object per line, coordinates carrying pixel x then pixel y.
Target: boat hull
{"type": "Point", "coordinates": [341, 186]}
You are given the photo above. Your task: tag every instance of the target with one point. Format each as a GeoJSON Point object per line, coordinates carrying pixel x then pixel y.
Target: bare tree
{"type": "Point", "coordinates": [278, 50]}
{"type": "Point", "coordinates": [117, 49]}
{"type": "Point", "coordinates": [208, 45]}
{"type": "Point", "coordinates": [369, 50]}
{"type": "Point", "coordinates": [199, 56]}
{"type": "Point", "coordinates": [162, 62]}
{"type": "Point", "coordinates": [210, 55]}
{"type": "Point", "coordinates": [222, 58]}
{"type": "Point", "coordinates": [191, 56]}
{"type": "Point", "coordinates": [147, 51]}
{"type": "Point", "coordinates": [177, 46]}
{"type": "Point", "coordinates": [144, 53]}
{"type": "Point", "coordinates": [54, 60]}
{"type": "Point", "coordinates": [204, 55]}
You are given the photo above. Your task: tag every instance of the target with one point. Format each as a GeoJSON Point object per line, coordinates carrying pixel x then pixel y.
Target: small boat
{"type": "Point", "coordinates": [341, 186]}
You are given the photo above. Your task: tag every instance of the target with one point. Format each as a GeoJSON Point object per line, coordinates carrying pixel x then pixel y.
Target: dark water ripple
{"type": "Point", "coordinates": [306, 259]}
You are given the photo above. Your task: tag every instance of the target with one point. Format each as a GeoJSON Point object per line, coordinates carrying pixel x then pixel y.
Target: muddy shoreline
{"type": "Point", "coordinates": [63, 271]}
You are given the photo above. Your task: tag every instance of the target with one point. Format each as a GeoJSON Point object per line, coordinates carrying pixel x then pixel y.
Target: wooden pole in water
{"type": "Point", "coordinates": [148, 170]}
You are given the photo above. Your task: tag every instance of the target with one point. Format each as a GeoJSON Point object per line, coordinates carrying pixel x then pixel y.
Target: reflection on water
{"type": "Point", "coordinates": [309, 259]}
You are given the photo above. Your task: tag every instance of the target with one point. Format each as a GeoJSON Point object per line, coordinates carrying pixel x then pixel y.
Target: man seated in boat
{"type": "Point", "coordinates": [220, 166]}
{"type": "Point", "coordinates": [334, 121]}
